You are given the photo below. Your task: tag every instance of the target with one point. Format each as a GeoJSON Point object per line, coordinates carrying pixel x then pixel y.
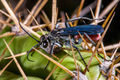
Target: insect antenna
{"type": "Point", "coordinates": [28, 52]}
{"type": "Point", "coordinates": [84, 18]}
{"type": "Point", "coordinates": [28, 33]}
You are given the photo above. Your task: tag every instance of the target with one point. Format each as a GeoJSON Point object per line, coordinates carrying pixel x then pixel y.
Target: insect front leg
{"type": "Point", "coordinates": [67, 25]}
{"type": "Point", "coordinates": [51, 52]}
{"type": "Point", "coordinates": [28, 52]}
{"type": "Point", "coordinates": [80, 55]}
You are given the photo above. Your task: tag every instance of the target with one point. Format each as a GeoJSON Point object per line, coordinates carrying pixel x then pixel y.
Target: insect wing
{"type": "Point", "coordinates": [89, 29]}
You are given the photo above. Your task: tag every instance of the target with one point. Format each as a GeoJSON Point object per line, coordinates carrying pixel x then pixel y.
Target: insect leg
{"type": "Point", "coordinates": [92, 43]}
{"type": "Point", "coordinates": [28, 52]}
{"type": "Point", "coordinates": [74, 19]}
{"type": "Point", "coordinates": [84, 18]}
{"type": "Point", "coordinates": [51, 52]}
{"type": "Point", "coordinates": [80, 54]}
{"type": "Point", "coordinates": [67, 25]}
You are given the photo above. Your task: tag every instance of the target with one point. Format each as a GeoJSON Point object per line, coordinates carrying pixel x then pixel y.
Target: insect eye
{"type": "Point", "coordinates": [42, 38]}
{"type": "Point", "coordinates": [45, 44]}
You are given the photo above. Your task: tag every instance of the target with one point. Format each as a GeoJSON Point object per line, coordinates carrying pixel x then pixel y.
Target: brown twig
{"type": "Point", "coordinates": [36, 9]}
{"type": "Point", "coordinates": [4, 22]}
{"type": "Point", "coordinates": [36, 22]}
{"type": "Point", "coordinates": [38, 4]}
{"type": "Point", "coordinates": [68, 19]}
{"type": "Point", "coordinates": [58, 64]}
{"type": "Point", "coordinates": [97, 11]}
{"type": "Point", "coordinates": [73, 53]}
{"type": "Point", "coordinates": [55, 68]}
{"type": "Point", "coordinates": [108, 8]}
{"type": "Point", "coordinates": [2, 54]}
{"type": "Point", "coordinates": [86, 9]}
{"type": "Point", "coordinates": [7, 34]}
{"type": "Point", "coordinates": [5, 67]}
{"type": "Point", "coordinates": [17, 55]}
{"type": "Point", "coordinates": [54, 13]}
{"type": "Point", "coordinates": [110, 47]}
{"type": "Point", "coordinates": [79, 10]}
{"type": "Point", "coordinates": [114, 54]}
{"type": "Point", "coordinates": [107, 19]}
{"type": "Point", "coordinates": [16, 8]}
{"type": "Point", "coordinates": [6, 15]}
{"type": "Point", "coordinates": [18, 65]}
{"type": "Point", "coordinates": [40, 26]}
{"type": "Point", "coordinates": [14, 18]}
{"type": "Point", "coordinates": [43, 18]}
{"type": "Point", "coordinates": [46, 17]}
{"type": "Point", "coordinates": [103, 50]}
{"type": "Point", "coordinates": [92, 13]}
{"type": "Point", "coordinates": [78, 73]}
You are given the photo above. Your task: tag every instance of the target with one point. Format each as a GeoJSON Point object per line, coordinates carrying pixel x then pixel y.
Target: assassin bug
{"type": "Point", "coordinates": [60, 36]}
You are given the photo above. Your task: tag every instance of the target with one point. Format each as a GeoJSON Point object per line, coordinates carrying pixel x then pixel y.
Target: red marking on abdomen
{"type": "Point", "coordinates": [95, 38]}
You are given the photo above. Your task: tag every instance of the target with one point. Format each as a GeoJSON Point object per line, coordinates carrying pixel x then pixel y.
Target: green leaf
{"type": "Point", "coordinates": [11, 76]}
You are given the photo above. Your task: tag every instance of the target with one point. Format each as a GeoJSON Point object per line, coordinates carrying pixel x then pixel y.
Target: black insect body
{"type": "Point", "coordinates": [61, 36]}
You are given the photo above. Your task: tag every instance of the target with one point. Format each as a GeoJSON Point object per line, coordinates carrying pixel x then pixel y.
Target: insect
{"type": "Point", "coordinates": [60, 36]}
